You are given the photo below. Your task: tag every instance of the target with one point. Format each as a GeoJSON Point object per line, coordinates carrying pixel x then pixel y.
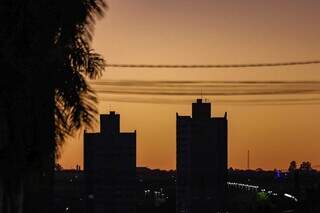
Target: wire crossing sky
{"type": "Point", "coordinates": [223, 92]}
{"type": "Point", "coordinates": [277, 64]}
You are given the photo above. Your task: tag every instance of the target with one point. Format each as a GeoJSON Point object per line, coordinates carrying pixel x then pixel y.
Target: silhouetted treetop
{"type": "Point", "coordinates": [305, 166]}
{"type": "Point", "coordinates": [292, 166]}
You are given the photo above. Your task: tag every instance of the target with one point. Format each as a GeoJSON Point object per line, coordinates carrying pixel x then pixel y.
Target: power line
{"type": "Point", "coordinates": [167, 92]}
{"type": "Point", "coordinates": [213, 65]}
{"type": "Point", "coordinates": [254, 102]}
{"type": "Point", "coordinates": [208, 88]}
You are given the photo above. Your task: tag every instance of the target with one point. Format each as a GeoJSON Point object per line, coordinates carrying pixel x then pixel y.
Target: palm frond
{"type": "Point", "coordinates": [75, 100]}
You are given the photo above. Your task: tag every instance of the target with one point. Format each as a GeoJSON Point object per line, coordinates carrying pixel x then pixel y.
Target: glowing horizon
{"type": "Point", "coordinates": [212, 32]}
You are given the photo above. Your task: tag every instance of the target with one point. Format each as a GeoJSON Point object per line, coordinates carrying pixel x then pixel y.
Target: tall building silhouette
{"type": "Point", "coordinates": [110, 167]}
{"type": "Point", "coordinates": [201, 160]}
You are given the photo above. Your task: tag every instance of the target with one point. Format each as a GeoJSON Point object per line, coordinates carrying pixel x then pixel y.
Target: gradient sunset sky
{"type": "Point", "coordinates": [213, 32]}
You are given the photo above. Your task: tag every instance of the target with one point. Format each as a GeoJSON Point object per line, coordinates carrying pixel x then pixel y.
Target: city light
{"type": "Point", "coordinates": [290, 196]}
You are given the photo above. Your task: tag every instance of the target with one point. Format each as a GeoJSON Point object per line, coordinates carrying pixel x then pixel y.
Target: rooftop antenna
{"type": "Point", "coordinates": [248, 160]}
{"type": "Point", "coordinates": [202, 96]}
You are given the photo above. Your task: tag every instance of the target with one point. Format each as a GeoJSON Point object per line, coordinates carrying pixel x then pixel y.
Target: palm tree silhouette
{"type": "Point", "coordinates": [45, 59]}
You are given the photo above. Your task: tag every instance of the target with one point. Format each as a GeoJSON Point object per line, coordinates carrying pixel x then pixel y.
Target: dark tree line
{"type": "Point", "coordinates": [304, 166]}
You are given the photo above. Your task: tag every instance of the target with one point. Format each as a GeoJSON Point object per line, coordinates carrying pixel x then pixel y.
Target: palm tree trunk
{"type": "Point", "coordinates": [27, 154]}
{"type": "Point", "coordinates": [11, 195]}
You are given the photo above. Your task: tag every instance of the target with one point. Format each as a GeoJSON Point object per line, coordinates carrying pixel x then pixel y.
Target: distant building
{"type": "Point", "coordinates": [110, 167]}
{"type": "Point", "coordinates": [201, 161]}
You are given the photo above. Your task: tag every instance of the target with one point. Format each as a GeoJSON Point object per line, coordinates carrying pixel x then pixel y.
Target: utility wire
{"type": "Point", "coordinates": [213, 65]}
{"type": "Point", "coordinates": [209, 88]}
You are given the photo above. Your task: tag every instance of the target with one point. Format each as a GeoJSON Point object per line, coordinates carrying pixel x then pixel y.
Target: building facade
{"type": "Point", "coordinates": [201, 161]}
{"type": "Point", "coordinates": [110, 168]}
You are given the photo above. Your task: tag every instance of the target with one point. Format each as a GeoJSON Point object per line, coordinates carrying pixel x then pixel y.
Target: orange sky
{"type": "Point", "coordinates": [213, 32]}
